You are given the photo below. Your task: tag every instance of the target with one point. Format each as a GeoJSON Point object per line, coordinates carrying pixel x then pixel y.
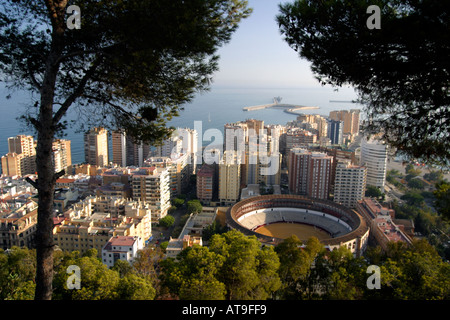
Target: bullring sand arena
{"type": "Point", "coordinates": [284, 230]}
{"type": "Point", "coordinates": [273, 218]}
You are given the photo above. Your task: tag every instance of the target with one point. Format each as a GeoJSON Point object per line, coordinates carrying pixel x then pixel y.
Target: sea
{"type": "Point", "coordinates": [214, 108]}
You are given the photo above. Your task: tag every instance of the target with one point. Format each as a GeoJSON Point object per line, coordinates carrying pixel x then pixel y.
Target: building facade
{"type": "Point", "coordinates": [90, 224]}
{"type": "Point", "coordinates": [123, 248]}
{"type": "Point", "coordinates": [152, 185]}
{"type": "Point", "coordinates": [179, 170]}
{"type": "Point", "coordinates": [18, 227]}
{"type": "Point", "coordinates": [62, 154]}
{"type": "Point", "coordinates": [96, 147]}
{"type": "Point", "coordinates": [374, 156]}
{"type": "Point", "coordinates": [349, 183]}
{"type": "Point", "coordinates": [335, 131]}
{"type": "Point", "coordinates": [380, 220]}
{"type": "Point", "coordinates": [127, 152]}
{"type": "Point", "coordinates": [229, 179]}
{"type": "Point", "coordinates": [206, 183]}
{"type": "Point", "coordinates": [21, 157]}
{"type": "Point", "coordinates": [309, 173]}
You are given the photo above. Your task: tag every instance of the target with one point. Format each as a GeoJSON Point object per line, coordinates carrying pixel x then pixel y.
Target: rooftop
{"type": "Point", "coordinates": [122, 241]}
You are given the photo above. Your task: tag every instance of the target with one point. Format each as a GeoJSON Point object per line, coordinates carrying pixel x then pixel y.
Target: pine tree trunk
{"type": "Point", "coordinates": [46, 186]}
{"type": "Point", "coordinates": [44, 163]}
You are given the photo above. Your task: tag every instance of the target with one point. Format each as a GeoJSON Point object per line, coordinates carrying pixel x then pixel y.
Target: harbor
{"type": "Point", "coordinates": [289, 108]}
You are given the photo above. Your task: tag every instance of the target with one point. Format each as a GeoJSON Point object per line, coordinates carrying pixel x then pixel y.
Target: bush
{"type": "Point", "coordinates": [194, 206]}
{"type": "Point", "coordinates": [416, 184]}
{"type": "Point", "coordinates": [167, 221]}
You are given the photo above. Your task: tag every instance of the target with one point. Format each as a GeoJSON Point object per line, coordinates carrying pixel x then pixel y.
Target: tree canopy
{"type": "Point", "coordinates": [130, 66]}
{"type": "Point", "coordinates": [401, 71]}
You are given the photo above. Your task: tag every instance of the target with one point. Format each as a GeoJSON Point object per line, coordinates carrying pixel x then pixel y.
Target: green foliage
{"type": "Point", "coordinates": [416, 184]}
{"type": "Point", "coordinates": [194, 275]}
{"type": "Point", "coordinates": [434, 176]}
{"type": "Point", "coordinates": [442, 203]}
{"type": "Point", "coordinates": [412, 171]}
{"type": "Point", "coordinates": [414, 273]}
{"type": "Point", "coordinates": [167, 221]}
{"type": "Point", "coordinates": [374, 192]}
{"type": "Point", "coordinates": [234, 267]}
{"type": "Point", "coordinates": [134, 287]}
{"type": "Point", "coordinates": [430, 225]}
{"type": "Point", "coordinates": [392, 69]}
{"type": "Point", "coordinates": [178, 202]}
{"type": "Point", "coordinates": [413, 198]}
{"type": "Point", "coordinates": [164, 245]}
{"type": "Point", "coordinates": [212, 229]}
{"type": "Point", "coordinates": [194, 206]}
{"type": "Point", "coordinates": [121, 282]}
{"type": "Point", "coordinates": [246, 273]}
{"type": "Point", "coordinates": [17, 270]}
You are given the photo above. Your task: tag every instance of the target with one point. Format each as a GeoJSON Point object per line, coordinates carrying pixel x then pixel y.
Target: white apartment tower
{"type": "Point", "coordinates": [374, 156]}
{"type": "Point", "coordinates": [152, 185]}
{"type": "Point", "coordinates": [349, 183]}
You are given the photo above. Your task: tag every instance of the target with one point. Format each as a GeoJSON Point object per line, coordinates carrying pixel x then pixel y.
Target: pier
{"type": "Point", "coordinates": [289, 108]}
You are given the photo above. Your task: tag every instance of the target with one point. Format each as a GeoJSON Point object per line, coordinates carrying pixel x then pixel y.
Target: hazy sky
{"type": "Point", "coordinates": [257, 55]}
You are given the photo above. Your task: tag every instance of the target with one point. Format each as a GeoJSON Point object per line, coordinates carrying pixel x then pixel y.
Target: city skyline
{"type": "Point", "coordinates": [218, 150]}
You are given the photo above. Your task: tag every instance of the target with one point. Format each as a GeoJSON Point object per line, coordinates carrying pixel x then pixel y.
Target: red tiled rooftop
{"type": "Point", "coordinates": [122, 241]}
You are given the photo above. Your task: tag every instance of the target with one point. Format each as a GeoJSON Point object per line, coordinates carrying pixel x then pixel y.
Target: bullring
{"type": "Point", "coordinates": [342, 226]}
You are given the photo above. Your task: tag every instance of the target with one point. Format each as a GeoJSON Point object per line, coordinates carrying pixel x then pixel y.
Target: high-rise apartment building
{"type": "Point", "coordinates": [62, 154]}
{"type": "Point", "coordinates": [335, 131]}
{"type": "Point", "coordinates": [309, 173]}
{"type": "Point", "coordinates": [374, 156]}
{"type": "Point", "coordinates": [12, 164]}
{"type": "Point", "coordinates": [96, 147]}
{"type": "Point", "coordinates": [206, 183]}
{"type": "Point", "coordinates": [152, 185]}
{"type": "Point", "coordinates": [350, 119]}
{"type": "Point", "coordinates": [21, 157]}
{"type": "Point", "coordinates": [127, 152]}
{"type": "Point", "coordinates": [319, 176]}
{"type": "Point", "coordinates": [179, 171]}
{"type": "Point", "coordinates": [298, 167]}
{"type": "Point", "coordinates": [182, 141]}
{"type": "Point", "coordinates": [22, 144]}
{"type": "Point", "coordinates": [298, 138]}
{"type": "Point", "coordinates": [349, 183]}
{"type": "Point", "coordinates": [229, 179]}
{"type": "Point", "coordinates": [119, 148]}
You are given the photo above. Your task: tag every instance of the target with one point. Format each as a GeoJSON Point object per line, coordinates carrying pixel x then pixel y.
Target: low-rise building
{"type": "Point", "coordinates": [92, 222]}
{"type": "Point", "coordinates": [381, 223]}
{"type": "Point", "coordinates": [175, 246]}
{"type": "Point", "coordinates": [18, 226]}
{"type": "Point", "coordinates": [123, 248]}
